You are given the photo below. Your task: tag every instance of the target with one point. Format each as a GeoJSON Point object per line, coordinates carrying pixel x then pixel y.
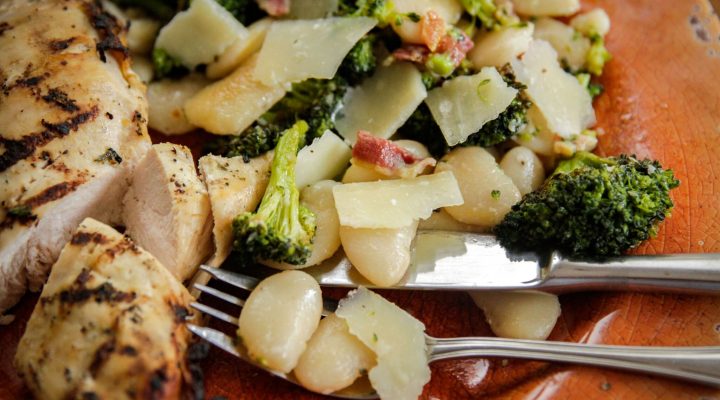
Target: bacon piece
{"type": "Point", "coordinates": [413, 53]}
{"type": "Point", "coordinates": [387, 158]}
{"type": "Point", "coordinates": [276, 8]}
{"type": "Point", "coordinates": [456, 47]}
{"type": "Point", "coordinates": [432, 29]}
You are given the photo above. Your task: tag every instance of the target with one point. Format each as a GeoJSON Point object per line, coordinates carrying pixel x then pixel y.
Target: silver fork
{"type": "Point", "coordinates": [697, 364]}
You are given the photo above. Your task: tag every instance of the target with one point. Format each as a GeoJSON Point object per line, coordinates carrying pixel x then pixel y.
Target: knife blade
{"type": "Point", "coordinates": [467, 261]}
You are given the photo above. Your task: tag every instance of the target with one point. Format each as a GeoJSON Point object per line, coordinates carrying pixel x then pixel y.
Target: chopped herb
{"type": "Point", "coordinates": [375, 337]}
{"type": "Point", "coordinates": [110, 156]}
{"type": "Point", "coordinates": [23, 212]}
{"type": "Point", "coordinates": [495, 194]}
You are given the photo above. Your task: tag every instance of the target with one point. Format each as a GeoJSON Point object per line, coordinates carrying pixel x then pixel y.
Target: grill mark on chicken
{"type": "Point", "coordinates": [180, 312]}
{"type": "Point", "coordinates": [19, 149]}
{"type": "Point", "coordinates": [61, 44]}
{"type": "Point", "coordinates": [82, 238]}
{"type": "Point", "coordinates": [4, 27]}
{"type": "Point", "coordinates": [109, 30]}
{"type": "Point", "coordinates": [125, 245]}
{"type": "Point", "coordinates": [101, 356]}
{"type": "Point", "coordinates": [54, 192]}
{"type": "Point", "coordinates": [61, 99]}
{"type": "Point", "coordinates": [157, 383]}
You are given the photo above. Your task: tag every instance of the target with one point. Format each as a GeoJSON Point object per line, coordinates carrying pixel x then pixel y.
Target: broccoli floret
{"type": "Point", "coordinates": [502, 128]}
{"type": "Point", "coordinates": [421, 127]}
{"type": "Point", "coordinates": [166, 65]}
{"type": "Point", "coordinates": [594, 89]}
{"type": "Point", "coordinates": [254, 141]}
{"type": "Point", "coordinates": [360, 62]}
{"type": "Point", "coordinates": [597, 56]}
{"type": "Point", "coordinates": [484, 10]}
{"type": "Point", "coordinates": [591, 207]}
{"type": "Point", "coordinates": [281, 229]}
{"type": "Point", "coordinates": [382, 10]}
{"type": "Point", "coordinates": [245, 11]}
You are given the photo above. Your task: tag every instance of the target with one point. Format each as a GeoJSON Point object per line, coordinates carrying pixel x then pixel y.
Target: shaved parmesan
{"type": "Point", "coordinates": [395, 203]}
{"type": "Point", "coordinates": [397, 339]}
{"type": "Point", "coordinates": [382, 103]}
{"type": "Point", "coordinates": [562, 100]}
{"type": "Point", "coordinates": [541, 8]}
{"type": "Point", "coordinates": [311, 9]}
{"type": "Point", "coordinates": [498, 47]}
{"type": "Point", "coordinates": [297, 50]}
{"type": "Point", "coordinates": [464, 104]}
{"type": "Point", "coordinates": [325, 158]}
{"type": "Point", "coordinates": [200, 33]}
{"type": "Point", "coordinates": [572, 48]}
{"type": "Point", "coordinates": [230, 105]}
{"type": "Point", "coordinates": [240, 51]}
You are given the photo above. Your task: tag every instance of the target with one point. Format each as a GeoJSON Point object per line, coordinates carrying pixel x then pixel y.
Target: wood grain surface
{"type": "Point", "coordinates": [662, 100]}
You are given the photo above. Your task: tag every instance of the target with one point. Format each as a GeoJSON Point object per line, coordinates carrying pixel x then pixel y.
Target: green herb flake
{"type": "Point", "coordinates": [23, 211]}
{"type": "Point", "coordinates": [110, 156]}
{"type": "Point", "coordinates": [375, 337]}
{"type": "Point", "coordinates": [495, 194]}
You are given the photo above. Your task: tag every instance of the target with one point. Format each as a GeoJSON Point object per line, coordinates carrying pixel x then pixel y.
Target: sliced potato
{"type": "Point", "coordinates": [464, 104]}
{"type": "Point", "coordinates": [382, 103]}
{"type": "Point", "coordinates": [397, 339]}
{"type": "Point", "coordinates": [230, 105]}
{"type": "Point", "coordinates": [167, 98]}
{"type": "Point", "coordinates": [488, 192]}
{"type": "Point", "coordinates": [382, 256]}
{"type": "Point", "coordinates": [520, 314]}
{"type": "Point", "coordinates": [297, 50]}
{"type": "Point", "coordinates": [319, 199]}
{"type": "Point", "coordinates": [279, 317]}
{"type": "Point", "coordinates": [395, 203]}
{"type": "Point", "coordinates": [240, 51]}
{"type": "Point", "coordinates": [571, 47]}
{"type": "Point", "coordinates": [564, 103]}
{"type": "Point", "coordinates": [200, 33]}
{"type": "Point", "coordinates": [499, 47]}
{"type": "Point", "coordinates": [325, 158]}
{"type": "Point", "coordinates": [334, 358]}
{"type": "Point", "coordinates": [551, 8]}
{"type": "Point", "coordinates": [524, 168]}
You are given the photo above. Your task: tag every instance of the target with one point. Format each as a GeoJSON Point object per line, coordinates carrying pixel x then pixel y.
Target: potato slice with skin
{"type": "Point", "coordinates": [200, 33]}
{"type": "Point", "coordinates": [319, 199]}
{"type": "Point", "coordinates": [232, 104]}
{"type": "Point", "coordinates": [279, 317]}
{"type": "Point", "coordinates": [297, 50]}
{"type": "Point", "coordinates": [550, 8]}
{"type": "Point", "coordinates": [519, 314]}
{"type": "Point", "coordinates": [525, 169]}
{"type": "Point", "coordinates": [565, 104]}
{"type": "Point", "coordinates": [240, 51]}
{"type": "Point", "coordinates": [382, 256]}
{"type": "Point", "coordinates": [397, 339]}
{"type": "Point", "coordinates": [497, 48]}
{"type": "Point", "coordinates": [488, 192]}
{"type": "Point", "coordinates": [571, 47]}
{"type": "Point", "coordinates": [167, 98]}
{"type": "Point", "coordinates": [395, 203]}
{"type": "Point", "coordinates": [461, 106]}
{"type": "Point", "coordinates": [382, 103]}
{"type": "Point", "coordinates": [334, 358]}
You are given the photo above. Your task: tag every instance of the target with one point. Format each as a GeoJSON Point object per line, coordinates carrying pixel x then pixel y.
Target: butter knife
{"type": "Point", "coordinates": [467, 261]}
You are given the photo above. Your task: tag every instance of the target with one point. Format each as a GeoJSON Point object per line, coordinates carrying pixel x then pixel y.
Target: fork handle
{"type": "Point", "coordinates": [685, 273]}
{"type": "Point", "coordinates": [698, 364]}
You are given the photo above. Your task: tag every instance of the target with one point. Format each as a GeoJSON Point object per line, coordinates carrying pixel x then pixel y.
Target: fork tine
{"type": "Point", "coordinates": [220, 295]}
{"type": "Point", "coordinates": [216, 338]}
{"type": "Point", "coordinates": [215, 313]}
{"type": "Point", "coordinates": [237, 280]}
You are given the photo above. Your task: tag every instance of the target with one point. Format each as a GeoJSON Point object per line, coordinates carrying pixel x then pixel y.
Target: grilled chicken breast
{"type": "Point", "coordinates": [167, 209]}
{"type": "Point", "coordinates": [72, 126]}
{"type": "Point", "coordinates": [110, 323]}
{"type": "Point", "coordinates": [234, 187]}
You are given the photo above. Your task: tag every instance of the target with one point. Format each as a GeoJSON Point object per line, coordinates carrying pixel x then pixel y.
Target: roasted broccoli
{"type": "Point", "coordinates": [360, 62]}
{"type": "Point", "coordinates": [382, 10]}
{"type": "Point", "coordinates": [597, 56]}
{"type": "Point", "coordinates": [165, 65]}
{"type": "Point", "coordinates": [281, 229]}
{"type": "Point", "coordinates": [258, 139]}
{"type": "Point", "coordinates": [245, 11]}
{"type": "Point", "coordinates": [421, 127]}
{"type": "Point", "coordinates": [591, 207]}
{"type": "Point", "coordinates": [594, 89]}
{"type": "Point", "coordinates": [483, 10]}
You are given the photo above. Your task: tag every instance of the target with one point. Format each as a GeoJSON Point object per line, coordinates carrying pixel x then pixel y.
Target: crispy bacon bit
{"type": "Point", "coordinates": [387, 157]}
{"type": "Point", "coordinates": [412, 53]}
{"type": "Point", "coordinates": [432, 30]}
{"type": "Point", "coordinates": [456, 47]}
{"type": "Point", "coordinates": [275, 8]}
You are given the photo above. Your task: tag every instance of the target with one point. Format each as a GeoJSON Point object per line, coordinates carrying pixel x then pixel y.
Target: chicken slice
{"type": "Point", "coordinates": [167, 210]}
{"type": "Point", "coordinates": [234, 187]}
{"type": "Point", "coordinates": [110, 323]}
{"type": "Point", "coordinates": [72, 127]}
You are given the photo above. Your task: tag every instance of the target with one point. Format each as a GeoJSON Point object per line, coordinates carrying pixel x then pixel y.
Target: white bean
{"type": "Point", "coordinates": [279, 317]}
{"type": "Point", "coordinates": [319, 198]}
{"type": "Point", "coordinates": [519, 315]}
{"type": "Point", "coordinates": [440, 220]}
{"type": "Point", "coordinates": [488, 192]}
{"type": "Point", "coordinates": [380, 255]}
{"type": "Point", "coordinates": [141, 35]}
{"type": "Point", "coordinates": [334, 358]}
{"type": "Point", "coordinates": [167, 98]}
{"type": "Point", "coordinates": [593, 22]}
{"type": "Point", "coordinates": [524, 168]}
{"type": "Point", "coordinates": [536, 136]}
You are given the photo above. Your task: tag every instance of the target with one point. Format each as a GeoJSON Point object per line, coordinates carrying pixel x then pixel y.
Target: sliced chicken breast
{"type": "Point", "coordinates": [73, 125]}
{"type": "Point", "coordinates": [234, 187]}
{"type": "Point", "coordinates": [167, 210]}
{"type": "Point", "coordinates": [110, 324]}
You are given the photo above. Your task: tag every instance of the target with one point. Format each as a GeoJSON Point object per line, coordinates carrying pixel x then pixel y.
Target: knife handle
{"type": "Point", "coordinates": [686, 273]}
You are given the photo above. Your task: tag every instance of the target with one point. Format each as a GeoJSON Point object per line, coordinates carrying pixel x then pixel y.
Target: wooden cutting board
{"type": "Point", "coordinates": [662, 100]}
